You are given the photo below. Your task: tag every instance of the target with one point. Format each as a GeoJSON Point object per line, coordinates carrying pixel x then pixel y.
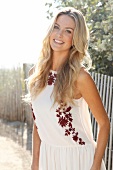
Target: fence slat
{"type": "Point", "coordinates": [110, 157]}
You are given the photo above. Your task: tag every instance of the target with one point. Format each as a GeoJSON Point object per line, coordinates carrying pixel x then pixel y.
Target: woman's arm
{"type": "Point", "coordinates": [35, 139]}
{"type": "Point", "coordinates": [35, 149]}
{"type": "Point", "coordinates": [88, 90]}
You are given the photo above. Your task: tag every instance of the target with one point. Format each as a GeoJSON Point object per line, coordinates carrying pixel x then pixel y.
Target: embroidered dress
{"type": "Point", "coordinates": [65, 132]}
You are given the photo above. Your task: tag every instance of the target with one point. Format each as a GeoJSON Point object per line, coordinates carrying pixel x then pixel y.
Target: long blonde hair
{"type": "Point", "coordinates": [64, 88]}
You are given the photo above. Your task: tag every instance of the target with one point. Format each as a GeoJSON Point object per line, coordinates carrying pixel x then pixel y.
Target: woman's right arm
{"type": "Point", "coordinates": [35, 149]}
{"type": "Point", "coordinates": [35, 140]}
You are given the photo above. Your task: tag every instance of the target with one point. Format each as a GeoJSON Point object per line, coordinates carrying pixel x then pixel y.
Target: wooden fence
{"type": "Point", "coordinates": [12, 88]}
{"type": "Point", "coordinates": [104, 84]}
{"type": "Point", "coordinates": [10, 94]}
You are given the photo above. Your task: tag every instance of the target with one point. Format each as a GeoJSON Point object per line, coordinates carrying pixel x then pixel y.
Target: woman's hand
{"type": "Point", "coordinates": [34, 167]}
{"type": "Point", "coordinates": [94, 167]}
{"type": "Point", "coordinates": [36, 149]}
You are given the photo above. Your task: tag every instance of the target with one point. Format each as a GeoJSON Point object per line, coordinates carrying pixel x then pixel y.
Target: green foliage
{"type": "Point", "coordinates": [99, 18]}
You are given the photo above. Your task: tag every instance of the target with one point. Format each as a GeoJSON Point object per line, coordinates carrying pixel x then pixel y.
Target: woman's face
{"type": "Point", "coordinates": [62, 35]}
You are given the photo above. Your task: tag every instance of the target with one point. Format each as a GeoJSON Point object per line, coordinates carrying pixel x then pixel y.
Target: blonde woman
{"type": "Point", "coordinates": [61, 91]}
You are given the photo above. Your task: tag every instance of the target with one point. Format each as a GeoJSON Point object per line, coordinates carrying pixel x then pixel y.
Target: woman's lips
{"type": "Point", "coordinates": [58, 41]}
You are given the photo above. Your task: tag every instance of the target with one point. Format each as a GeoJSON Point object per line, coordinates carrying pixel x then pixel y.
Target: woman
{"type": "Point", "coordinates": [61, 90]}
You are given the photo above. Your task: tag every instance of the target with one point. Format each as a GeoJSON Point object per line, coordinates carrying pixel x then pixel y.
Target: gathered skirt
{"type": "Point", "coordinates": [67, 157]}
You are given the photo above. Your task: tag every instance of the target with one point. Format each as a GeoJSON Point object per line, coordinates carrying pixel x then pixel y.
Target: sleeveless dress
{"type": "Point", "coordinates": [65, 132]}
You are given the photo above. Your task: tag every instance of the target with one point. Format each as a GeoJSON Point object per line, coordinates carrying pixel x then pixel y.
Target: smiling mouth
{"type": "Point", "coordinates": [58, 41]}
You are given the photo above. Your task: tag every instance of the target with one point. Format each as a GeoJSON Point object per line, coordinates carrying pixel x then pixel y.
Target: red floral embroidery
{"type": "Point", "coordinates": [33, 115]}
{"type": "Point", "coordinates": [65, 121]}
{"type": "Point", "coordinates": [51, 78]}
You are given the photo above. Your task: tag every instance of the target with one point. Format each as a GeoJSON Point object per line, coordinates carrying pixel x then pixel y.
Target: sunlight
{"type": "Point", "coordinates": [23, 23]}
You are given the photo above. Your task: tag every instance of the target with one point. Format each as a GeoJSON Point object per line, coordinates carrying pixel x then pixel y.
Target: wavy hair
{"type": "Point", "coordinates": [64, 88]}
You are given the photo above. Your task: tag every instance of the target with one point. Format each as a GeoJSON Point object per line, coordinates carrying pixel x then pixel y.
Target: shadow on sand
{"type": "Point", "coordinates": [19, 132]}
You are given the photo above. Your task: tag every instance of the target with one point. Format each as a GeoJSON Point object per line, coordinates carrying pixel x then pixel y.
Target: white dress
{"type": "Point", "coordinates": [66, 133]}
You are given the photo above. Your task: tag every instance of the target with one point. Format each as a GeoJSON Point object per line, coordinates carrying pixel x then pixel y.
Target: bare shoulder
{"type": "Point", "coordinates": [86, 84]}
{"type": "Point", "coordinates": [31, 71]}
{"type": "Point", "coordinates": [89, 92]}
{"type": "Point", "coordinates": [88, 89]}
{"type": "Point", "coordinates": [84, 76]}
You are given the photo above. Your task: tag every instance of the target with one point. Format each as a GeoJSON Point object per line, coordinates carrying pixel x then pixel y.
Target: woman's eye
{"type": "Point", "coordinates": [68, 31]}
{"type": "Point", "coordinates": [56, 27]}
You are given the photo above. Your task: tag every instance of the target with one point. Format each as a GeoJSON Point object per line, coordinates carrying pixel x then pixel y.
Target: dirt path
{"type": "Point", "coordinates": [15, 146]}
{"type": "Point", "coordinates": [13, 156]}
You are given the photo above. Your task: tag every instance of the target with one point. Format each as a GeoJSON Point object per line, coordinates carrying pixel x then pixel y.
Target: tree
{"type": "Point", "coordinates": [99, 18]}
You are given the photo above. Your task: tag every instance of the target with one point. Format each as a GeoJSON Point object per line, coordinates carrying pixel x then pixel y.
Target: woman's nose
{"type": "Point", "coordinates": [60, 33]}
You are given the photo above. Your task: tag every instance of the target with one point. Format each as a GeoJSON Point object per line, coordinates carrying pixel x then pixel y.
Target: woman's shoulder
{"type": "Point", "coordinates": [84, 81]}
{"type": "Point", "coordinates": [87, 86]}
{"type": "Point", "coordinates": [84, 76]}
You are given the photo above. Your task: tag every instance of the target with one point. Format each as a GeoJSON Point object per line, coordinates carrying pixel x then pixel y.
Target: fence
{"type": "Point", "coordinates": [104, 84]}
{"type": "Point", "coordinates": [10, 92]}
{"type": "Point", "coordinates": [12, 87]}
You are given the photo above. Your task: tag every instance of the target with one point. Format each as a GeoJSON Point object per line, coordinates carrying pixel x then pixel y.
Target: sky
{"type": "Point", "coordinates": [22, 26]}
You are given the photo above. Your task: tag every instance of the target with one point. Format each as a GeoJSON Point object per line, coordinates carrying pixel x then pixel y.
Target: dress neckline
{"type": "Point", "coordinates": [53, 71]}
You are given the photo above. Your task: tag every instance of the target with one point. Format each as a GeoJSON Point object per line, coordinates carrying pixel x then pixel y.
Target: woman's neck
{"type": "Point", "coordinates": [58, 60]}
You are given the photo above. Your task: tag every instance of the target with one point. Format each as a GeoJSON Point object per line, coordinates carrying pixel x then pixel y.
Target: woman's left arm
{"type": "Point", "coordinates": [88, 90]}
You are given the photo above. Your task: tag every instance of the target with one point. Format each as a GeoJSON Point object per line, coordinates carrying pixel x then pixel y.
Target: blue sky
{"type": "Point", "coordinates": [22, 25]}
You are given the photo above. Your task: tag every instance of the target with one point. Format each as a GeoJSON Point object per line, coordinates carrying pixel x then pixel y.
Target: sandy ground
{"type": "Point", "coordinates": [14, 156]}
